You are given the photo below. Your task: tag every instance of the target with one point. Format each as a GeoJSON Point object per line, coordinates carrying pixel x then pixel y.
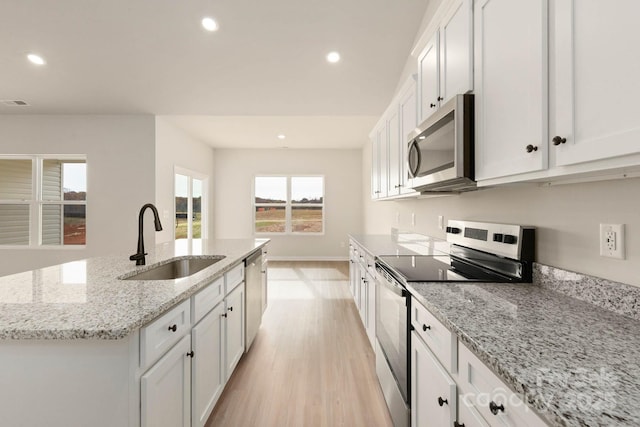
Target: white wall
{"type": "Point", "coordinates": [120, 178]}
{"type": "Point", "coordinates": [175, 148]}
{"type": "Point", "coordinates": [235, 170]}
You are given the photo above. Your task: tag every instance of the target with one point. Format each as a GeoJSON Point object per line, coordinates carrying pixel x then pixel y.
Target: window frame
{"type": "Point", "coordinates": [36, 201]}
{"type": "Point", "coordinates": [204, 211]}
{"type": "Point", "coordinates": [288, 205]}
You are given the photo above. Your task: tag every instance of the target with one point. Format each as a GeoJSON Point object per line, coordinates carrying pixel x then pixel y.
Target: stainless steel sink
{"type": "Point", "coordinates": [176, 269]}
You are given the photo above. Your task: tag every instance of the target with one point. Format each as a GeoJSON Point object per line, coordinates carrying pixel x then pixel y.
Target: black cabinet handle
{"type": "Point", "coordinates": [191, 353]}
{"type": "Point", "coordinates": [557, 140]}
{"type": "Point", "coordinates": [432, 105]}
{"type": "Point", "coordinates": [425, 327]}
{"type": "Point", "coordinates": [173, 328]}
{"type": "Point", "coordinates": [442, 401]}
{"type": "Point", "coordinates": [494, 407]}
{"type": "Point", "coordinates": [530, 148]}
{"type": "Point", "coordinates": [440, 98]}
{"type": "Point", "coordinates": [224, 315]}
{"type": "Point", "coordinates": [457, 424]}
{"type": "Point", "coordinates": [230, 308]}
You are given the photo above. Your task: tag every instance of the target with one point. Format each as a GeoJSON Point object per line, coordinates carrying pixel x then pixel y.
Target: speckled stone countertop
{"type": "Point", "coordinates": [400, 244]}
{"type": "Point", "coordinates": [575, 363]}
{"type": "Point", "coordinates": [86, 299]}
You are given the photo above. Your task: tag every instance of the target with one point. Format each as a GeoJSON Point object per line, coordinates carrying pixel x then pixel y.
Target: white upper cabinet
{"type": "Point", "coordinates": [428, 78]}
{"type": "Point", "coordinates": [445, 66]}
{"type": "Point", "coordinates": [511, 86]}
{"type": "Point", "coordinates": [456, 51]}
{"type": "Point", "coordinates": [596, 70]}
{"type": "Point", "coordinates": [379, 161]}
{"type": "Point", "coordinates": [393, 130]}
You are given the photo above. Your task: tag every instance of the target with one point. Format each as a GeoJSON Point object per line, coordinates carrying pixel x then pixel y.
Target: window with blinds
{"type": "Point", "coordinates": [42, 201]}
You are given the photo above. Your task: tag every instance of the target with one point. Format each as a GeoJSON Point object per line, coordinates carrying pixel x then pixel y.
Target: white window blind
{"type": "Point", "coordinates": [15, 195]}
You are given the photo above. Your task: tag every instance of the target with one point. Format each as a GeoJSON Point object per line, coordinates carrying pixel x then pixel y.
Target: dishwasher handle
{"type": "Point", "coordinates": [396, 288]}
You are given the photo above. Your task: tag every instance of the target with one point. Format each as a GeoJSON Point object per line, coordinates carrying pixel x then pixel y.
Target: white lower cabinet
{"type": "Point", "coordinates": [208, 367]}
{"type": "Point", "coordinates": [433, 391]}
{"type": "Point", "coordinates": [234, 319]}
{"type": "Point", "coordinates": [183, 386]}
{"type": "Point", "coordinates": [459, 391]}
{"type": "Point", "coordinates": [166, 389]}
{"type": "Point", "coordinates": [362, 284]}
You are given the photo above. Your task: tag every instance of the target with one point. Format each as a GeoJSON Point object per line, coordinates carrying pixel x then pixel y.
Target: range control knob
{"type": "Point", "coordinates": [509, 239]}
{"type": "Point", "coordinates": [497, 237]}
{"type": "Point", "coordinates": [453, 230]}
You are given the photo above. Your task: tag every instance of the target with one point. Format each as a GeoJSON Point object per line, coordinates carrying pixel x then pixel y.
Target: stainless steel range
{"type": "Point", "coordinates": [479, 252]}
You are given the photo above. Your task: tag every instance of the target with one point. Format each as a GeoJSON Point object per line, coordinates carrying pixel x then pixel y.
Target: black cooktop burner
{"type": "Point", "coordinates": [437, 268]}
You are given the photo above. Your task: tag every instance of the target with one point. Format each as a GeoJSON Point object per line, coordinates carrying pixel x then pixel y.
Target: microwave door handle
{"type": "Point", "coordinates": [414, 147]}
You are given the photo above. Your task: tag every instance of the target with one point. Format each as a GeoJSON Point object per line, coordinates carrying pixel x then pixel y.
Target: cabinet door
{"type": "Point", "coordinates": [596, 64]}
{"type": "Point", "coordinates": [393, 128]}
{"type": "Point", "coordinates": [511, 87]}
{"type": "Point", "coordinates": [456, 51]}
{"type": "Point", "coordinates": [234, 329]}
{"type": "Point", "coordinates": [433, 392]}
{"type": "Point", "coordinates": [371, 310]}
{"type": "Point", "coordinates": [362, 296]}
{"type": "Point", "coordinates": [408, 122]}
{"type": "Point", "coordinates": [428, 78]}
{"type": "Point", "coordinates": [468, 416]}
{"type": "Point", "coordinates": [207, 367]}
{"type": "Point", "coordinates": [264, 282]}
{"type": "Point", "coordinates": [376, 145]}
{"type": "Point", "coordinates": [166, 389]}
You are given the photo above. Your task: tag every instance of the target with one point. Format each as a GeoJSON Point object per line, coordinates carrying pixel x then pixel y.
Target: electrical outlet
{"type": "Point", "coordinates": [440, 222]}
{"type": "Point", "coordinates": [612, 240]}
{"type": "Point", "coordinates": [413, 218]}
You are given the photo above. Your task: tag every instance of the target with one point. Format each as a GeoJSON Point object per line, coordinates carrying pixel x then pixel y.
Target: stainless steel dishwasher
{"type": "Point", "coordinates": [253, 296]}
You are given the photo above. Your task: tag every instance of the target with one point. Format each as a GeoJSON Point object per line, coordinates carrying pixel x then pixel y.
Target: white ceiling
{"type": "Point", "coordinates": [265, 67]}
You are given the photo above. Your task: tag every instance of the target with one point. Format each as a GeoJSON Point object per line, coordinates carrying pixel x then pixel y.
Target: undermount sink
{"type": "Point", "coordinates": [176, 269]}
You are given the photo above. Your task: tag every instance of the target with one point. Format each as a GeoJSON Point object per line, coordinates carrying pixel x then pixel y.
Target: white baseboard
{"type": "Point", "coordinates": [306, 258]}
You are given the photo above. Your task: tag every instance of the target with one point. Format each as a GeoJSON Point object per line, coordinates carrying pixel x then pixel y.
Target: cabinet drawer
{"type": "Point", "coordinates": [439, 339]}
{"type": "Point", "coordinates": [488, 394]}
{"type": "Point", "coordinates": [158, 336]}
{"type": "Point", "coordinates": [234, 277]}
{"type": "Point", "coordinates": [207, 298]}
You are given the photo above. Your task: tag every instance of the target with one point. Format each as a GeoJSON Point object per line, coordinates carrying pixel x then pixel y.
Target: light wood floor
{"type": "Point", "coordinates": [311, 363]}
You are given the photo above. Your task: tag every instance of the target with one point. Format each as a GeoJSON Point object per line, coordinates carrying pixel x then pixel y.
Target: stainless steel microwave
{"type": "Point", "coordinates": [441, 150]}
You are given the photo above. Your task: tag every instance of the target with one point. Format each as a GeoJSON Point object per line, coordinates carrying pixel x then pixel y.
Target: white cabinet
{"type": "Point", "coordinates": [166, 389]}
{"type": "Point", "coordinates": [429, 78]}
{"type": "Point", "coordinates": [393, 138]}
{"type": "Point", "coordinates": [264, 280]}
{"type": "Point", "coordinates": [596, 87]}
{"type": "Point", "coordinates": [207, 368]}
{"type": "Point", "coordinates": [408, 110]}
{"type": "Point", "coordinates": [362, 284]}
{"type": "Point", "coordinates": [511, 86]}
{"type": "Point", "coordinates": [379, 161]}
{"type": "Point", "coordinates": [234, 319]}
{"type": "Point", "coordinates": [433, 391]}
{"type": "Point", "coordinates": [445, 66]}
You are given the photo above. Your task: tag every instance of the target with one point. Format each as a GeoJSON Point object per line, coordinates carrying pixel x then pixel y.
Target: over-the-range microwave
{"type": "Point", "coordinates": [441, 150]}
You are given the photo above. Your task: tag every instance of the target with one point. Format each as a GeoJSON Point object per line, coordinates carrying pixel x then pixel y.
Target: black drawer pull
{"type": "Point", "coordinates": [191, 353]}
{"type": "Point", "coordinates": [494, 407]}
{"type": "Point", "coordinates": [457, 424]}
{"type": "Point", "coordinates": [425, 327]}
{"type": "Point", "coordinates": [173, 328]}
{"type": "Point", "coordinates": [442, 401]}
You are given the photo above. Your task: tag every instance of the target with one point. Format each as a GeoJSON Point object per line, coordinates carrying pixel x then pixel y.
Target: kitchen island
{"type": "Point", "coordinates": [70, 335]}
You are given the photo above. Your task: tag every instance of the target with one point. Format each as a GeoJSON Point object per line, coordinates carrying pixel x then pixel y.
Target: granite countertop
{"type": "Point", "coordinates": [575, 363]}
{"type": "Point", "coordinates": [401, 244]}
{"type": "Point", "coordinates": [86, 299]}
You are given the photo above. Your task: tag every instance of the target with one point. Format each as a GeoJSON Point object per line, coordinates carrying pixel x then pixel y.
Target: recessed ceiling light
{"type": "Point", "coordinates": [333, 57]}
{"type": "Point", "coordinates": [281, 136]}
{"type": "Point", "coordinates": [209, 24]}
{"type": "Point", "coordinates": [36, 59]}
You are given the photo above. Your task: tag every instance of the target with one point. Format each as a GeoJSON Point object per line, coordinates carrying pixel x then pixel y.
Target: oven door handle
{"type": "Point", "coordinates": [395, 288]}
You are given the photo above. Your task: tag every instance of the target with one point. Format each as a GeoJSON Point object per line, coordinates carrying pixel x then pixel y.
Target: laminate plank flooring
{"type": "Point", "coordinates": [311, 363]}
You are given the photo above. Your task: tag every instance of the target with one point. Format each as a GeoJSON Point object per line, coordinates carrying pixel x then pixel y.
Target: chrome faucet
{"type": "Point", "coordinates": [139, 256]}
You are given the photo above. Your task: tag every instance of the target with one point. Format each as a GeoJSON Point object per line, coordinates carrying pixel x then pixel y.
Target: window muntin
{"type": "Point", "coordinates": [43, 201]}
{"type": "Point", "coordinates": [289, 204]}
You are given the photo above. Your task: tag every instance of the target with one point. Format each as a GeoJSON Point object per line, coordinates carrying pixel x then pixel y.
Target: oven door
{"type": "Point", "coordinates": [391, 329]}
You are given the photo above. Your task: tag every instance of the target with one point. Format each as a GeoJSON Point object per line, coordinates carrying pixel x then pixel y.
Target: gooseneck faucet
{"type": "Point", "coordinates": [139, 256]}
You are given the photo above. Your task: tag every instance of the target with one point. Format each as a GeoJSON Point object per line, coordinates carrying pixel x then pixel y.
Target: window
{"type": "Point", "coordinates": [289, 204]}
{"type": "Point", "coordinates": [43, 201]}
{"type": "Point", "coordinates": [190, 188]}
